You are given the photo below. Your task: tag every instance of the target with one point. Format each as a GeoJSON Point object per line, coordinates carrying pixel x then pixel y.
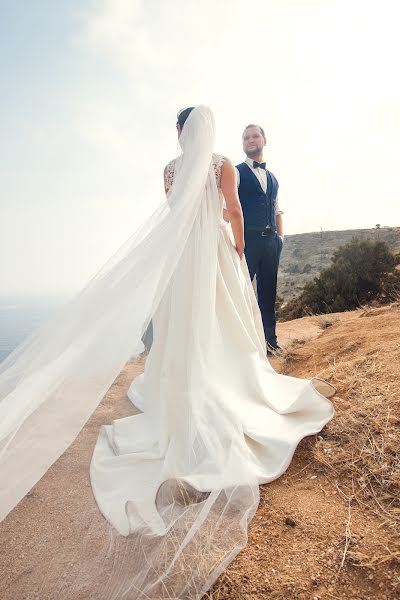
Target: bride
{"type": "Point", "coordinates": [178, 481]}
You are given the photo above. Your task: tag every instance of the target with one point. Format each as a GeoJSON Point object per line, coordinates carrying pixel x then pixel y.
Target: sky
{"type": "Point", "coordinates": [88, 102]}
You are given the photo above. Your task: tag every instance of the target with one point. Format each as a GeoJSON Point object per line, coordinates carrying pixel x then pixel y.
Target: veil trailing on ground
{"type": "Point", "coordinates": [52, 383]}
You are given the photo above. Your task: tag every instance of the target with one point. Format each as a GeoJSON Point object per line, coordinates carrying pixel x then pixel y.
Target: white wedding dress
{"type": "Point", "coordinates": [250, 415]}
{"type": "Point", "coordinates": [178, 482]}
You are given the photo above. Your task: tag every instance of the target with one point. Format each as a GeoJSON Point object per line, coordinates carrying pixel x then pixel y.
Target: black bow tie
{"type": "Point", "coordinates": [257, 164]}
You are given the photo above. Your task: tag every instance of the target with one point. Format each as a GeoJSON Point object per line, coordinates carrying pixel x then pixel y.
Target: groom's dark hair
{"type": "Point", "coordinates": [183, 115]}
{"type": "Point", "coordinates": [259, 127]}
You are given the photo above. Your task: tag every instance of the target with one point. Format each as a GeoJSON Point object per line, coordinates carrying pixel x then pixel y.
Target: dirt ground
{"type": "Point", "coordinates": [306, 535]}
{"type": "Point", "coordinates": [318, 557]}
{"type": "Point", "coordinates": [40, 560]}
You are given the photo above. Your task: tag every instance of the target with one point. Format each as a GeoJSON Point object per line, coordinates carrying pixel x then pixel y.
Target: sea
{"type": "Point", "coordinates": [22, 315]}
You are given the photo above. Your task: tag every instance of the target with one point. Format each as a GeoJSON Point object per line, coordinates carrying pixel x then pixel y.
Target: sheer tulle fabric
{"type": "Point", "coordinates": [177, 483]}
{"type": "Point", "coordinates": [52, 383]}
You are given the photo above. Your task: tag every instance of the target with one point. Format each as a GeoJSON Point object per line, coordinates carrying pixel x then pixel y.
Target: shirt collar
{"type": "Point", "coordinates": [249, 161]}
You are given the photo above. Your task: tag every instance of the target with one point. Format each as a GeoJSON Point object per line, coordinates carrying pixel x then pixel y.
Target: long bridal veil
{"type": "Point", "coordinates": [52, 383]}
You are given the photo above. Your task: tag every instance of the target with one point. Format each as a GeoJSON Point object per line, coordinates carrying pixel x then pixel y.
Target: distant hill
{"type": "Point", "coordinates": [304, 255]}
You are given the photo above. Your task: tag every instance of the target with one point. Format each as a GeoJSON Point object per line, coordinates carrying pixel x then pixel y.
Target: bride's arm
{"type": "Point", "coordinates": [233, 206]}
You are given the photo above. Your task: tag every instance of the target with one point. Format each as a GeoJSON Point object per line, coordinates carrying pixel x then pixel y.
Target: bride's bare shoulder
{"type": "Point", "coordinates": [222, 160]}
{"type": "Point", "coordinates": [218, 158]}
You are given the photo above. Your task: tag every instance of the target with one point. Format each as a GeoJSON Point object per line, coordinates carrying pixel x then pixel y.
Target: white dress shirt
{"type": "Point", "coordinates": [261, 175]}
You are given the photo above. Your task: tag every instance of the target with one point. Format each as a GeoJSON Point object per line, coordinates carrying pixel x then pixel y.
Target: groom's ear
{"type": "Point", "coordinates": [262, 133]}
{"type": "Point", "coordinates": [264, 136]}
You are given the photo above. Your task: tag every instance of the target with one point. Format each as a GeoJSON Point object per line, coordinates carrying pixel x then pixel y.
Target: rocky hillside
{"type": "Point", "coordinates": [305, 255]}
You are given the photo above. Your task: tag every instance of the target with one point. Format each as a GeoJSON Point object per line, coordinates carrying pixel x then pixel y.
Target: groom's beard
{"type": "Point", "coordinates": [252, 153]}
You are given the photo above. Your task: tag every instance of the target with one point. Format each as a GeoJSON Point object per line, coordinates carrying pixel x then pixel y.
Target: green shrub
{"type": "Point", "coordinates": [355, 277]}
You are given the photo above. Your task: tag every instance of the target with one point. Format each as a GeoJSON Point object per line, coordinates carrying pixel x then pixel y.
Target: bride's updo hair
{"type": "Point", "coordinates": [183, 115]}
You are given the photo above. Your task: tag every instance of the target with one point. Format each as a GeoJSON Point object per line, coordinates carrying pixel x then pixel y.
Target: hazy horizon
{"type": "Point", "coordinates": [64, 295]}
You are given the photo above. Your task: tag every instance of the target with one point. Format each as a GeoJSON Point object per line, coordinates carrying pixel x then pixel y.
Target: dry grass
{"type": "Point", "coordinates": [328, 321]}
{"type": "Point", "coordinates": [342, 487]}
{"type": "Point", "coordinates": [361, 445]}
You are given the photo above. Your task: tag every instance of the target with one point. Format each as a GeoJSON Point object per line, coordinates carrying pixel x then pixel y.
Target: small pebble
{"type": "Point", "coordinates": [290, 522]}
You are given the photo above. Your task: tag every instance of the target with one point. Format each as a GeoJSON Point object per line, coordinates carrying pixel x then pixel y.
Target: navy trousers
{"type": "Point", "coordinates": [262, 255]}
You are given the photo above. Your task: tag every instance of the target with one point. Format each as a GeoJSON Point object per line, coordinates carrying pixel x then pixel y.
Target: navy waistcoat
{"type": "Point", "coordinates": [259, 207]}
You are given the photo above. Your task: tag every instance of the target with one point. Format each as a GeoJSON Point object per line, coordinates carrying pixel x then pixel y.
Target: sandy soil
{"type": "Point", "coordinates": [308, 328]}
{"type": "Point", "coordinates": [41, 549]}
{"type": "Point", "coordinates": [300, 561]}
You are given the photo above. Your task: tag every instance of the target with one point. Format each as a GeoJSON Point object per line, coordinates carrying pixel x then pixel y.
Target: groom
{"type": "Point", "coordinates": [263, 228]}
